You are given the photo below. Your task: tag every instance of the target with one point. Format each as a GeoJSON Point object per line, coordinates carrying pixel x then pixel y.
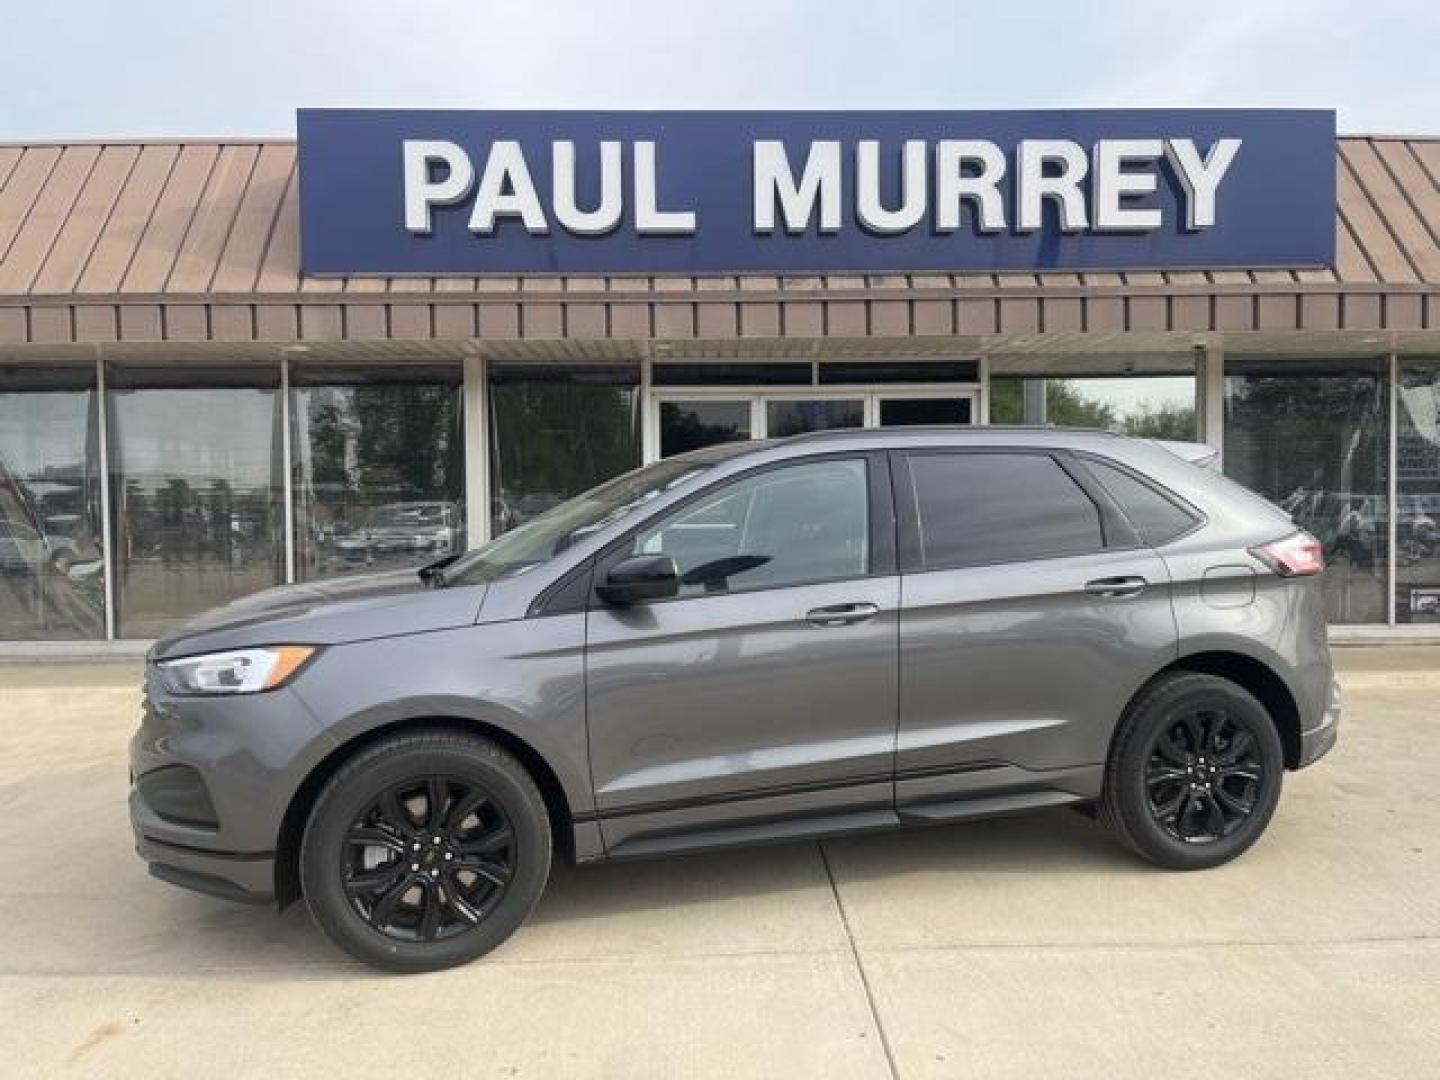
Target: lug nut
{"type": "Point", "coordinates": [414, 866]}
{"type": "Point", "coordinates": [435, 839]}
{"type": "Point", "coordinates": [448, 856]}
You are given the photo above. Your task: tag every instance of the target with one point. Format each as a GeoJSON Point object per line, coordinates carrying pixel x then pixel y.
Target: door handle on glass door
{"type": "Point", "coordinates": [1116, 587]}
{"type": "Point", "coordinates": [840, 614]}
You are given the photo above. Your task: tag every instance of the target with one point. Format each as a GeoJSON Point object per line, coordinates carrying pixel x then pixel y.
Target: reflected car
{"type": "Point", "coordinates": [404, 528]}
{"type": "Point", "coordinates": [807, 637]}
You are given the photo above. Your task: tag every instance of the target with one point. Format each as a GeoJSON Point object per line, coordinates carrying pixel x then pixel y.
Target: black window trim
{"type": "Point", "coordinates": [883, 526]}
{"type": "Point", "coordinates": [1198, 519]}
{"type": "Point", "coordinates": [1116, 532]}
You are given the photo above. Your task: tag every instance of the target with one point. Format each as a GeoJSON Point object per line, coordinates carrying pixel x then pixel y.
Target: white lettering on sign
{"type": "Point", "coordinates": [1107, 187]}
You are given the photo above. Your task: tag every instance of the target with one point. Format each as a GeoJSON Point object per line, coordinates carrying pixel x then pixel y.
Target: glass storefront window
{"type": "Point", "coordinates": [897, 412]}
{"type": "Point", "coordinates": [379, 466]}
{"type": "Point", "coordinates": [1417, 522]}
{"type": "Point", "coordinates": [786, 417]}
{"type": "Point", "coordinates": [690, 425]}
{"type": "Point", "coordinates": [195, 490]}
{"type": "Point", "coordinates": [557, 431]}
{"type": "Point", "coordinates": [1148, 405]}
{"type": "Point", "coordinates": [1311, 437]}
{"type": "Point", "coordinates": [52, 576]}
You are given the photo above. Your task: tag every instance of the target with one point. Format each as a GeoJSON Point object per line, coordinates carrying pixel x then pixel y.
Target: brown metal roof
{"type": "Point", "coordinates": [199, 241]}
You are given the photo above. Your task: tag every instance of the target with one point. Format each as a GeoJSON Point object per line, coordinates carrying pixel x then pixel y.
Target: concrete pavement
{"type": "Point", "coordinates": [1020, 948]}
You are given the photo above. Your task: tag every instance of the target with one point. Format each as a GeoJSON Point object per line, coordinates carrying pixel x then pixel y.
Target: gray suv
{"type": "Point", "coordinates": [753, 642]}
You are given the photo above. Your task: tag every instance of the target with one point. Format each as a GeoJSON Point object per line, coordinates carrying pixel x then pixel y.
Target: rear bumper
{"type": "Point", "coordinates": [1317, 741]}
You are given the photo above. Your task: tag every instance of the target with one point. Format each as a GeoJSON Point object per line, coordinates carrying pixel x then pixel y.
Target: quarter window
{"type": "Point", "coordinates": [1157, 519]}
{"type": "Point", "coordinates": [790, 526]}
{"type": "Point", "coordinates": [988, 508]}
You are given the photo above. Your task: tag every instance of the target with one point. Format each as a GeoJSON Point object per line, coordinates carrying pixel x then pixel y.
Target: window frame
{"type": "Point", "coordinates": [1116, 531]}
{"type": "Point", "coordinates": [883, 532]}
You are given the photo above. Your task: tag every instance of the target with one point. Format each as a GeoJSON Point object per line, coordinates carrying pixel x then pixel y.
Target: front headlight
{"type": "Point", "coordinates": [243, 671]}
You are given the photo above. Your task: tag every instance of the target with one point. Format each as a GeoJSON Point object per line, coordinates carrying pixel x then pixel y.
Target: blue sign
{"type": "Point", "coordinates": [444, 192]}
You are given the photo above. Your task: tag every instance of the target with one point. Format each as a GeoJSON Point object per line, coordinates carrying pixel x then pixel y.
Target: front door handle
{"type": "Point", "coordinates": [1116, 588]}
{"type": "Point", "coordinates": [841, 614]}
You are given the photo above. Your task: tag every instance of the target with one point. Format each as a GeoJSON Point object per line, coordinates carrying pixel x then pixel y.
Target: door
{"type": "Point", "coordinates": [767, 688]}
{"type": "Point", "coordinates": [1030, 614]}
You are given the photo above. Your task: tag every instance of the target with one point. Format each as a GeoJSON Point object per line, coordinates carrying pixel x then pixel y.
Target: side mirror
{"type": "Point", "coordinates": [640, 578]}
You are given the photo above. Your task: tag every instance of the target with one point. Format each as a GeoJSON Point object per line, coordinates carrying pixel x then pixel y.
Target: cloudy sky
{"type": "Point", "coordinates": [95, 68]}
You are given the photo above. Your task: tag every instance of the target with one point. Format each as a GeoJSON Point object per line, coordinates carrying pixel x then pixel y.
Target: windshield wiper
{"type": "Point", "coordinates": [433, 573]}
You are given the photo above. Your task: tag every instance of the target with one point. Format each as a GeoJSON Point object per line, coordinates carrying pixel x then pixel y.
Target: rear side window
{"type": "Point", "coordinates": [990, 508]}
{"type": "Point", "coordinates": [1157, 518]}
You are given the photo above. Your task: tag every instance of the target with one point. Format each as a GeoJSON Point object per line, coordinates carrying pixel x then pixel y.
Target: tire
{"type": "Point", "coordinates": [405, 889]}
{"type": "Point", "coordinates": [1155, 767]}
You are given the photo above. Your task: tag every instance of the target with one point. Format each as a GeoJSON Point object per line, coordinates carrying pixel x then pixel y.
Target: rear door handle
{"type": "Point", "coordinates": [1116, 588]}
{"type": "Point", "coordinates": [841, 614]}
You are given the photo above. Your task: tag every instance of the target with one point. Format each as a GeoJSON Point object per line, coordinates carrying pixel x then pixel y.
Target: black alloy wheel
{"type": "Point", "coordinates": [427, 849]}
{"type": "Point", "coordinates": [1204, 775]}
{"type": "Point", "coordinates": [1194, 771]}
{"type": "Point", "coordinates": [428, 858]}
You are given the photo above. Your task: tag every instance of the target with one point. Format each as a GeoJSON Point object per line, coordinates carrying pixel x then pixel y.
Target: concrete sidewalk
{"type": "Point", "coordinates": [1021, 948]}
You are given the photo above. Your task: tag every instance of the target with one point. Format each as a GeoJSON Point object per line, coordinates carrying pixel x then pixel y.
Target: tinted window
{"type": "Point", "coordinates": [988, 508]}
{"type": "Point", "coordinates": [789, 526]}
{"type": "Point", "coordinates": [1157, 518]}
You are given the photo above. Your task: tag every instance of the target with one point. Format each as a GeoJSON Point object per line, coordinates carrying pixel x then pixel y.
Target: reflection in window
{"type": "Point", "coordinates": [789, 526]}
{"type": "Point", "coordinates": [691, 425]}
{"type": "Point", "coordinates": [1417, 555]}
{"type": "Point", "coordinates": [52, 579]}
{"type": "Point", "coordinates": [1311, 438]}
{"type": "Point", "coordinates": [793, 417]}
{"type": "Point", "coordinates": [379, 465]}
{"type": "Point", "coordinates": [195, 492]}
{"type": "Point", "coordinates": [558, 431]}
{"type": "Point", "coordinates": [1149, 406]}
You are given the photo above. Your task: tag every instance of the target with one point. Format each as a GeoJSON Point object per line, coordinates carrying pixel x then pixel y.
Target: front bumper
{"type": "Point", "coordinates": [249, 754]}
{"type": "Point", "coordinates": [1316, 742]}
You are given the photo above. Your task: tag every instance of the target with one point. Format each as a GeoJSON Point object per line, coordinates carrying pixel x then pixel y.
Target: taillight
{"type": "Point", "coordinates": [1298, 555]}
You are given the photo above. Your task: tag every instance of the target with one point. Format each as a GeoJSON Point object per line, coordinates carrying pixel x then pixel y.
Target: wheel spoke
{"type": "Point", "coordinates": [495, 873]}
{"type": "Point", "coordinates": [1167, 811]}
{"type": "Point", "coordinates": [432, 907]}
{"type": "Point", "coordinates": [435, 803]}
{"type": "Point", "coordinates": [458, 902]}
{"type": "Point", "coordinates": [1171, 750]}
{"type": "Point", "coordinates": [1237, 749]}
{"type": "Point", "coordinates": [394, 813]}
{"type": "Point", "coordinates": [1230, 802]}
{"type": "Point", "coordinates": [487, 844]}
{"type": "Point", "coordinates": [463, 808]}
{"type": "Point", "coordinates": [384, 908]}
{"type": "Point", "coordinates": [375, 838]}
{"type": "Point", "coordinates": [1214, 817]}
{"type": "Point", "coordinates": [1163, 775]}
{"type": "Point", "coordinates": [368, 882]}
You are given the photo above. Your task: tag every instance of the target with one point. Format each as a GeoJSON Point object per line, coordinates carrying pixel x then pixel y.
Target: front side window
{"type": "Point", "coordinates": [974, 509]}
{"type": "Point", "coordinates": [794, 525]}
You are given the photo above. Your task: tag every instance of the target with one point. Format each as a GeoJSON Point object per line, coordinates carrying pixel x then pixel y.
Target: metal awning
{"type": "Point", "coordinates": [145, 242]}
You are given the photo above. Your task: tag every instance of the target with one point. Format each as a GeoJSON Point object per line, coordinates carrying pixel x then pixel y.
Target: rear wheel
{"type": "Point", "coordinates": [1194, 773]}
{"type": "Point", "coordinates": [425, 851]}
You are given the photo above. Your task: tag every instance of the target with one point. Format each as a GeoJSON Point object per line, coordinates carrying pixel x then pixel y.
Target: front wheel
{"type": "Point", "coordinates": [425, 851]}
{"type": "Point", "coordinates": [1194, 773]}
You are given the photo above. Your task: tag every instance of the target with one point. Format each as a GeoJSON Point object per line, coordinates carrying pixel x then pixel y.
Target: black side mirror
{"type": "Point", "coordinates": [640, 578]}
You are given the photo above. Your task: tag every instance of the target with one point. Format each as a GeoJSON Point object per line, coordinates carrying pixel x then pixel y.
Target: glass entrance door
{"type": "Point", "coordinates": [682, 420]}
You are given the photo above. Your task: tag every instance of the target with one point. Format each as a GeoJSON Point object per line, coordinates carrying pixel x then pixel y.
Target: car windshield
{"type": "Point", "coordinates": [541, 539]}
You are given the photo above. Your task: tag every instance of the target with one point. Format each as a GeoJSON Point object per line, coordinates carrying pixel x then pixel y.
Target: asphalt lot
{"type": "Point", "coordinates": [1027, 947]}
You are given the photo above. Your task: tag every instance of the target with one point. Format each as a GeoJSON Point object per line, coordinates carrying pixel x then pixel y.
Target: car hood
{"type": "Point", "coordinates": [353, 608]}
